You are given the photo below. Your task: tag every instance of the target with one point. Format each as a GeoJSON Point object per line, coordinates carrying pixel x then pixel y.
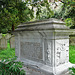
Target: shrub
{"type": "Point", "coordinates": [11, 67]}
{"type": "Point", "coordinates": [72, 71]}
{"type": "Point", "coordinates": [68, 22]}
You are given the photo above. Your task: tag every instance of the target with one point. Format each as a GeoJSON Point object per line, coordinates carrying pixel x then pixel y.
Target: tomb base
{"type": "Point", "coordinates": [34, 68]}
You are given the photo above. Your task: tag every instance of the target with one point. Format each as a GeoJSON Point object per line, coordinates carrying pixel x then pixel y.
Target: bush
{"type": "Point", "coordinates": [68, 22]}
{"type": "Point", "coordinates": [72, 71]}
{"type": "Point", "coordinates": [7, 53]}
{"type": "Point", "coordinates": [11, 67]}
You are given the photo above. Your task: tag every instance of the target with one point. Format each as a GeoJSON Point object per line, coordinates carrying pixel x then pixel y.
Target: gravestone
{"type": "Point", "coordinates": [43, 46]}
{"type": "Point", "coordinates": [8, 36]}
{"type": "Point", "coordinates": [0, 35]}
{"type": "Point", "coordinates": [3, 43]}
{"type": "Point", "coordinates": [12, 42]}
{"type": "Point", "coordinates": [72, 37]}
{"type": "Point", "coordinates": [0, 39]}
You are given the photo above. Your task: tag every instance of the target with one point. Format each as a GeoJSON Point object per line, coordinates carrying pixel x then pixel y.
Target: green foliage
{"type": "Point", "coordinates": [72, 71]}
{"type": "Point", "coordinates": [8, 64]}
{"type": "Point", "coordinates": [66, 13]}
{"type": "Point", "coordinates": [72, 54]}
{"type": "Point", "coordinates": [43, 10]}
{"type": "Point", "coordinates": [11, 67]}
{"type": "Point", "coordinates": [68, 22]}
{"type": "Point", "coordinates": [72, 59]}
{"type": "Point", "coordinates": [69, 13]}
{"type": "Point", "coordinates": [13, 12]}
{"type": "Point", "coordinates": [69, 2]}
{"type": "Point", "coordinates": [58, 15]}
{"type": "Point", "coordinates": [7, 53]}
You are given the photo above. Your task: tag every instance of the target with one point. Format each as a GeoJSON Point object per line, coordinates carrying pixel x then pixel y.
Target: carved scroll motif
{"type": "Point", "coordinates": [49, 52]}
{"type": "Point", "coordinates": [62, 52]}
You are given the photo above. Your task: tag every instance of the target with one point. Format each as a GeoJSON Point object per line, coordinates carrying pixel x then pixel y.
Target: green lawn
{"type": "Point", "coordinates": [7, 53]}
{"type": "Point", "coordinates": [72, 54]}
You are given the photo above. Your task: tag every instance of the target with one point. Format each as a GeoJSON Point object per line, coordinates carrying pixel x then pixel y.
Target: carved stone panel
{"type": "Point", "coordinates": [62, 51]}
{"type": "Point", "coordinates": [31, 50]}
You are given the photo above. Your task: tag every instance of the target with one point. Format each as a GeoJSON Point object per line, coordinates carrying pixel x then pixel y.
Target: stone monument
{"type": "Point", "coordinates": [43, 46]}
{"type": "Point", "coordinates": [3, 43]}
{"type": "Point", "coordinates": [12, 42]}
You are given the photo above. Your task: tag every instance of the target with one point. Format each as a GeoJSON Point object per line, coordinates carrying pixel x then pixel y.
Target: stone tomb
{"type": "Point", "coordinates": [43, 46]}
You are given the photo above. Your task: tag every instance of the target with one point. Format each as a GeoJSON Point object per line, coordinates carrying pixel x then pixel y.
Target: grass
{"type": "Point", "coordinates": [72, 54]}
{"type": "Point", "coordinates": [10, 66]}
{"type": "Point", "coordinates": [7, 53]}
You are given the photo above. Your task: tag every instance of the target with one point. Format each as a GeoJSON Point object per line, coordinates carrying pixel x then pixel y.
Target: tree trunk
{"type": "Point", "coordinates": [13, 28]}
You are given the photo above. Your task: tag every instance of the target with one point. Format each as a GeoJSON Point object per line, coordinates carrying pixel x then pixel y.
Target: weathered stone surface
{"type": "Point", "coordinates": [0, 35]}
{"type": "Point", "coordinates": [43, 46]}
{"type": "Point", "coordinates": [3, 43]}
{"type": "Point", "coordinates": [0, 39]}
{"type": "Point", "coordinates": [49, 24]}
{"type": "Point", "coordinates": [35, 53]}
{"type": "Point", "coordinates": [62, 51]}
{"type": "Point", "coordinates": [30, 71]}
{"type": "Point", "coordinates": [8, 36]}
{"type": "Point", "coordinates": [72, 37]}
{"type": "Point", "coordinates": [12, 42]}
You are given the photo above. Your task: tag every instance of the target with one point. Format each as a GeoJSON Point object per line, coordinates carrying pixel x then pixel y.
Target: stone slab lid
{"type": "Point", "coordinates": [47, 24]}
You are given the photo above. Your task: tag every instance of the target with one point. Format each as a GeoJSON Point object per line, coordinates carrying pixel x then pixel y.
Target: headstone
{"type": "Point", "coordinates": [3, 43]}
{"type": "Point", "coordinates": [72, 37]}
{"type": "Point", "coordinates": [0, 39]}
{"type": "Point", "coordinates": [8, 36]}
{"type": "Point", "coordinates": [43, 46]}
{"type": "Point", "coordinates": [0, 35]}
{"type": "Point", "coordinates": [12, 42]}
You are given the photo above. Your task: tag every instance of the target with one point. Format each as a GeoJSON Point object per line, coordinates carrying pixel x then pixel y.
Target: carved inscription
{"type": "Point", "coordinates": [31, 50]}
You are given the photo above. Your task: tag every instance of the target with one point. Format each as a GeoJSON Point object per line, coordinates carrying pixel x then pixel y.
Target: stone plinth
{"type": "Point", "coordinates": [43, 46]}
